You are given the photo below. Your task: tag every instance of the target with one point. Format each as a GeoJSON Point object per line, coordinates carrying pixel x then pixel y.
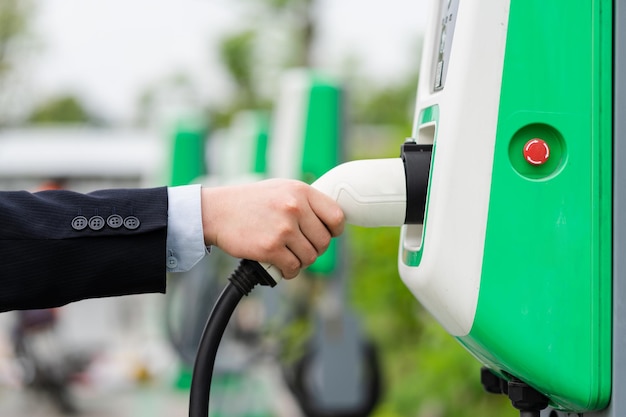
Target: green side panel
{"type": "Point", "coordinates": [322, 147]}
{"type": "Point", "coordinates": [188, 151]}
{"type": "Point", "coordinates": [544, 309]}
{"type": "Point", "coordinates": [262, 140]}
{"type": "Point", "coordinates": [323, 130]}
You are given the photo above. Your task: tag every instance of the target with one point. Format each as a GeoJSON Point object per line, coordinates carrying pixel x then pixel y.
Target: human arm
{"type": "Point", "coordinates": [55, 253]}
{"type": "Point", "coordinates": [48, 262]}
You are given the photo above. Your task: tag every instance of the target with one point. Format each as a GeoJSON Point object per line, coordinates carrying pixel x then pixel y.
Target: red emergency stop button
{"type": "Point", "coordinates": [536, 151]}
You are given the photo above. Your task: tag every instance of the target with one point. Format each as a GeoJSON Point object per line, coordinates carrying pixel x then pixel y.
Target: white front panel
{"type": "Point", "coordinates": [238, 151]}
{"type": "Point", "coordinates": [447, 279]}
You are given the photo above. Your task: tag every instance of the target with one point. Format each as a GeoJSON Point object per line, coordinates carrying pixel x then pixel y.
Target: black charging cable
{"type": "Point", "coordinates": [248, 275]}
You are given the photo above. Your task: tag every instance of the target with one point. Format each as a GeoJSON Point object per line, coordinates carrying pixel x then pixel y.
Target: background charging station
{"type": "Point", "coordinates": [339, 373]}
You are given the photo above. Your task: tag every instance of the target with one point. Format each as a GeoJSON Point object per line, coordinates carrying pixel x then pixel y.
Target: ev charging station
{"type": "Point", "coordinates": [188, 150]}
{"type": "Point", "coordinates": [517, 254]}
{"type": "Point", "coordinates": [306, 136]}
{"type": "Point", "coordinates": [239, 153]}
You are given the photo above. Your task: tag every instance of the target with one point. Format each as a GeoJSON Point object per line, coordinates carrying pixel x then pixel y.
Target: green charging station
{"type": "Point", "coordinates": [516, 254]}
{"type": "Point", "coordinates": [306, 137]}
{"type": "Point", "coordinates": [188, 150]}
{"type": "Point", "coordinates": [338, 373]}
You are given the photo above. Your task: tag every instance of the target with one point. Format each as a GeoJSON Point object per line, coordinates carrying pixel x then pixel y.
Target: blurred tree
{"type": "Point", "coordinates": [168, 98]}
{"type": "Point", "coordinates": [14, 23]}
{"type": "Point", "coordinates": [236, 53]}
{"type": "Point", "coordinates": [387, 105]}
{"type": "Point", "coordinates": [296, 17]}
{"type": "Point", "coordinates": [61, 109]}
{"type": "Point", "coordinates": [278, 34]}
{"type": "Point", "coordinates": [15, 20]}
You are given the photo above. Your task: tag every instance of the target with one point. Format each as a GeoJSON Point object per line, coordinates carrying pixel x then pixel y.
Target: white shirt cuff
{"type": "Point", "coordinates": [185, 240]}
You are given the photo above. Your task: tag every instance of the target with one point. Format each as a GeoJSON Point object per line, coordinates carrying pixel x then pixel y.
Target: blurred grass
{"type": "Point", "coordinates": [427, 373]}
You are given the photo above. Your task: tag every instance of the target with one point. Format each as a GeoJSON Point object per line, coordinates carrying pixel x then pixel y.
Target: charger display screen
{"type": "Point", "coordinates": [447, 21]}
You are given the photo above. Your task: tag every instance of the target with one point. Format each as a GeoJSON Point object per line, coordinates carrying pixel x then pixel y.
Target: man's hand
{"type": "Point", "coordinates": [285, 223]}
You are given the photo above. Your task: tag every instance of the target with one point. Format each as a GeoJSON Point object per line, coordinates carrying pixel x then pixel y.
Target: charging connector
{"type": "Point", "coordinates": [416, 159]}
{"type": "Point", "coordinates": [371, 192]}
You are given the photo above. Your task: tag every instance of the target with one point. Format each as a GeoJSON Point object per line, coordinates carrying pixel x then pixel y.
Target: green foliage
{"type": "Point", "coordinates": [14, 22]}
{"type": "Point", "coordinates": [62, 109]}
{"type": "Point", "coordinates": [390, 104]}
{"type": "Point", "coordinates": [240, 52]}
{"type": "Point", "coordinates": [427, 372]}
{"type": "Point", "coordinates": [237, 54]}
{"type": "Point", "coordinates": [294, 17]}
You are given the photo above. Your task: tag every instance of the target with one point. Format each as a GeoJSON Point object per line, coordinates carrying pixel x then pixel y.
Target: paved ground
{"type": "Point", "coordinates": [133, 372]}
{"type": "Point", "coordinates": [257, 392]}
{"type": "Point", "coordinates": [257, 396]}
{"type": "Point", "coordinates": [136, 402]}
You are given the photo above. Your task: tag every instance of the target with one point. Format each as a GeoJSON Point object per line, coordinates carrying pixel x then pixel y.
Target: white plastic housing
{"type": "Point", "coordinates": [371, 192]}
{"type": "Point", "coordinates": [446, 279]}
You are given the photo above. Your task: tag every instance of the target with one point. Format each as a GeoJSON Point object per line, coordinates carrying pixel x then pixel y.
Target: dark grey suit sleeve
{"type": "Point", "coordinates": [61, 246]}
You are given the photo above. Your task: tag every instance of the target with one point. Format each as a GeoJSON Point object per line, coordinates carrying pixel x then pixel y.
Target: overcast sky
{"type": "Point", "coordinates": [108, 51]}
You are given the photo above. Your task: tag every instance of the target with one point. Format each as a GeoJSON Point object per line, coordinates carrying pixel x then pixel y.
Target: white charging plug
{"type": "Point", "coordinates": [371, 193]}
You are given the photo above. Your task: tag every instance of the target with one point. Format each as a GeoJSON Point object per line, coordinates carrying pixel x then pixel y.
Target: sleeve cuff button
{"type": "Point", "coordinates": [115, 221]}
{"type": "Point", "coordinates": [96, 223]}
{"type": "Point", "coordinates": [131, 222]}
{"type": "Point", "coordinates": [79, 222]}
{"type": "Point", "coordinates": [172, 262]}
